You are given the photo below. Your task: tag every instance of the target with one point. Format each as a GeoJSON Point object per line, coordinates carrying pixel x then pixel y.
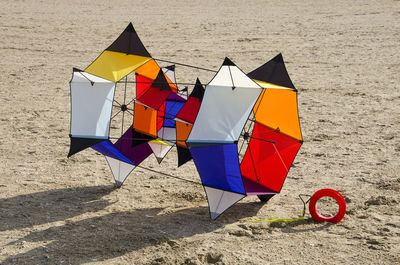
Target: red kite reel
{"type": "Point", "coordinates": [327, 193]}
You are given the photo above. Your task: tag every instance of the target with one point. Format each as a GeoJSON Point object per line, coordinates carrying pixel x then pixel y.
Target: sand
{"type": "Point", "coordinates": [343, 57]}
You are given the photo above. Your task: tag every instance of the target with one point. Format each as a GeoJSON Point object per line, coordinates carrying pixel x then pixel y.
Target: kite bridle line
{"type": "Point", "coordinates": [304, 202]}
{"type": "Point", "coordinates": [186, 65]}
{"type": "Point", "coordinates": [172, 140]}
{"type": "Point", "coordinates": [276, 219]}
{"type": "Point", "coordinates": [168, 175]}
{"type": "Point", "coordinates": [147, 82]}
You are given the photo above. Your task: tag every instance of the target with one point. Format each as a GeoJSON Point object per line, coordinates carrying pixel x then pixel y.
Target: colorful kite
{"type": "Point", "coordinates": [242, 130]}
{"type": "Point", "coordinates": [268, 105]}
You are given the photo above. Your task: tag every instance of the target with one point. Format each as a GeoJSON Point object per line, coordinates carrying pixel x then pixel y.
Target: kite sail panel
{"type": "Point", "coordinates": [268, 157]}
{"type": "Point", "coordinates": [145, 120]}
{"type": "Point", "coordinates": [226, 106]}
{"type": "Point", "coordinates": [277, 108]}
{"type": "Point", "coordinates": [122, 57]}
{"type": "Point", "coordinates": [91, 99]}
{"type": "Point", "coordinates": [272, 74]}
{"type": "Point", "coordinates": [155, 96]}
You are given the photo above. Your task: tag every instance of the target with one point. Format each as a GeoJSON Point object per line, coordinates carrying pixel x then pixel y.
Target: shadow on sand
{"type": "Point", "coordinates": [301, 226]}
{"type": "Point", "coordinates": [50, 206]}
{"type": "Point", "coordinates": [102, 237]}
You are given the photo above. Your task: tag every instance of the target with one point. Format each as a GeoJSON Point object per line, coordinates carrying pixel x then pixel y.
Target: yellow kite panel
{"type": "Point", "coordinates": [277, 108]}
{"type": "Point", "coordinates": [114, 66]}
{"type": "Point", "coordinates": [269, 85]}
{"type": "Point", "coordinates": [158, 141]}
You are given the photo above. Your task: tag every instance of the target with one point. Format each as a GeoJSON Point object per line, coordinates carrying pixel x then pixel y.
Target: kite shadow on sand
{"type": "Point", "coordinates": [300, 226]}
{"type": "Point", "coordinates": [103, 237]}
{"type": "Point", "coordinates": [28, 210]}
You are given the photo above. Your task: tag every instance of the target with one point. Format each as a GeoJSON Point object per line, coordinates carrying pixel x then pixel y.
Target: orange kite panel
{"type": "Point", "coordinates": [277, 108]}
{"type": "Point", "coordinates": [145, 120]}
{"type": "Point", "coordinates": [150, 70]}
{"type": "Point", "coordinates": [182, 133]}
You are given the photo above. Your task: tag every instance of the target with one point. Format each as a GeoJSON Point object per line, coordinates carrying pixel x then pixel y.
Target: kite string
{"type": "Point", "coordinates": [276, 219]}
{"type": "Point", "coordinates": [304, 202]}
{"type": "Point", "coordinates": [187, 65]}
{"type": "Point", "coordinates": [168, 175]}
{"type": "Point", "coordinates": [147, 82]}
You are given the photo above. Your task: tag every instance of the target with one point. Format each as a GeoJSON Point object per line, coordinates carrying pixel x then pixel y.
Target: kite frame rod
{"type": "Point", "coordinates": [147, 139]}
{"type": "Point", "coordinates": [144, 82]}
{"type": "Point", "coordinates": [187, 65]}
{"type": "Point", "coordinates": [171, 140]}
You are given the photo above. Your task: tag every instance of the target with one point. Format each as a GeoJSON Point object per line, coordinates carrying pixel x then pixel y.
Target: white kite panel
{"type": "Point", "coordinates": [225, 108]}
{"type": "Point", "coordinates": [230, 75]}
{"type": "Point", "coordinates": [160, 150]}
{"type": "Point", "coordinates": [119, 169]}
{"type": "Point", "coordinates": [170, 74]}
{"type": "Point", "coordinates": [91, 104]}
{"type": "Point", "coordinates": [167, 134]}
{"type": "Point", "coordinates": [220, 200]}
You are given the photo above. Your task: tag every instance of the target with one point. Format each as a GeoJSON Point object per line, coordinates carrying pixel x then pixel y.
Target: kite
{"type": "Point", "coordinates": [92, 100]}
{"type": "Point", "coordinates": [241, 130]}
{"type": "Point", "coordinates": [265, 100]}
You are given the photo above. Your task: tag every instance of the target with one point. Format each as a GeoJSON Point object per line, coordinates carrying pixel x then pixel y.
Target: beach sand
{"type": "Point", "coordinates": [342, 56]}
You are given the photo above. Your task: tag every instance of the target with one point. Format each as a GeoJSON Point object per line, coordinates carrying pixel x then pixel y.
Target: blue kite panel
{"type": "Point", "coordinates": [218, 166]}
{"type": "Point", "coordinates": [169, 123]}
{"type": "Point", "coordinates": [108, 149]}
{"type": "Point", "coordinates": [171, 109]}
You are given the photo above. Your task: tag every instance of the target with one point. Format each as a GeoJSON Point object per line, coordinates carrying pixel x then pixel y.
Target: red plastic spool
{"type": "Point", "coordinates": [327, 193]}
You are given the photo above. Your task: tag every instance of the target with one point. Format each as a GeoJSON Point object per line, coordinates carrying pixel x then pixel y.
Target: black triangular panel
{"type": "Point", "coordinates": [265, 197]}
{"type": "Point", "coordinates": [198, 90]}
{"type": "Point", "coordinates": [274, 72]}
{"type": "Point", "coordinates": [128, 42]}
{"type": "Point", "coordinates": [161, 82]}
{"type": "Point", "coordinates": [183, 155]}
{"type": "Point", "coordinates": [76, 70]}
{"type": "Point", "coordinates": [278, 58]}
{"type": "Point", "coordinates": [227, 61]}
{"type": "Point", "coordinates": [140, 138]}
{"type": "Point", "coordinates": [170, 67]}
{"type": "Point", "coordinates": [78, 144]}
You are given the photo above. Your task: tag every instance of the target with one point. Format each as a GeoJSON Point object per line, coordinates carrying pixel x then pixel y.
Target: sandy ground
{"type": "Point", "coordinates": [343, 56]}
